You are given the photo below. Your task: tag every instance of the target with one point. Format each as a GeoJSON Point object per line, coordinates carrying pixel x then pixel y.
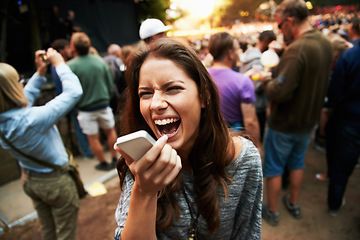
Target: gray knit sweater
{"type": "Point", "coordinates": [240, 215]}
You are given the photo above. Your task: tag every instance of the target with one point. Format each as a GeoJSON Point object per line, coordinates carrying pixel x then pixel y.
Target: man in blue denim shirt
{"type": "Point", "coordinates": [32, 130]}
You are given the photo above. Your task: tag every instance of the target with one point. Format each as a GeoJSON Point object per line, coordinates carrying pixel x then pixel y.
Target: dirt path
{"type": "Point", "coordinates": [96, 218]}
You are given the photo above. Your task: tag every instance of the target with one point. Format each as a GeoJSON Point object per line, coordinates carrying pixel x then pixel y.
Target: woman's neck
{"type": "Point", "coordinates": [185, 161]}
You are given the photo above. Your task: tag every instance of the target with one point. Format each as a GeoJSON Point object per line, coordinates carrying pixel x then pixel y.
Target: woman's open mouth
{"type": "Point", "coordinates": [168, 126]}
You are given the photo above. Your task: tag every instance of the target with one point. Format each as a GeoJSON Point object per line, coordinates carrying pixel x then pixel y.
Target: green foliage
{"type": "Point", "coordinates": [152, 9]}
{"type": "Point", "coordinates": [234, 10]}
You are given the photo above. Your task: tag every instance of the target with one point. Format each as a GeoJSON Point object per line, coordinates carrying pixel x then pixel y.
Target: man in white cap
{"type": "Point", "coordinates": [152, 29]}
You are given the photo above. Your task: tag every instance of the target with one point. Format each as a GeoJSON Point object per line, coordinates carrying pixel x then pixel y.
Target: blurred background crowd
{"type": "Point", "coordinates": [112, 30]}
{"type": "Point", "coordinates": [29, 25]}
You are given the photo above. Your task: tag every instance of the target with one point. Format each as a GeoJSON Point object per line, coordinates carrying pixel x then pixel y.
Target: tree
{"type": "Point", "coordinates": [243, 10]}
{"type": "Point", "coordinates": [152, 9]}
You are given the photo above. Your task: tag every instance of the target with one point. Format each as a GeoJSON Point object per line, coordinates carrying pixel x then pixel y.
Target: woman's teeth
{"type": "Point", "coordinates": [165, 121]}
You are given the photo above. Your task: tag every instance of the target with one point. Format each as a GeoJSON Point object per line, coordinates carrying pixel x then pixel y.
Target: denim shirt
{"type": "Point", "coordinates": [32, 130]}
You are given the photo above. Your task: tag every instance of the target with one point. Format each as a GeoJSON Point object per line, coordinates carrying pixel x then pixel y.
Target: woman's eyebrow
{"type": "Point", "coordinates": [143, 88]}
{"type": "Point", "coordinates": [170, 83]}
{"type": "Point", "coordinates": [165, 85]}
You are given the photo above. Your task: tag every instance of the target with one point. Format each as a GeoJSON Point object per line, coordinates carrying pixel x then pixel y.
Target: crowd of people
{"type": "Point", "coordinates": [226, 126]}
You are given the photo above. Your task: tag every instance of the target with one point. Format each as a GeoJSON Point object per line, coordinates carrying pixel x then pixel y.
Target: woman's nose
{"type": "Point", "coordinates": [158, 102]}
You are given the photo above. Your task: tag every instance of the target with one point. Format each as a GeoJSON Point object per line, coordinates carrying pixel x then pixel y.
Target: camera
{"type": "Point", "coordinates": [44, 58]}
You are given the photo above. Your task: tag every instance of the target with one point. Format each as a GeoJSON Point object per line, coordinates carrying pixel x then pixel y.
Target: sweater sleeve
{"type": "Point", "coordinates": [282, 87]}
{"type": "Point", "coordinates": [33, 88]}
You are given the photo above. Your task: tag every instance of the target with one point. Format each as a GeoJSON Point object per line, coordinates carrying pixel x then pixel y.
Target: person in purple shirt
{"type": "Point", "coordinates": [237, 93]}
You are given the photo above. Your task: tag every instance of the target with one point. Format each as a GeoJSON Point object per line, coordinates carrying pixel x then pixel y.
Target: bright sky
{"type": "Point", "coordinates": [199, 8]}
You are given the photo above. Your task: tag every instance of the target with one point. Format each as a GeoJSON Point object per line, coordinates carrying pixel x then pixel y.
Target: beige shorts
{"type": "Point", "coordinates": [90, 122]}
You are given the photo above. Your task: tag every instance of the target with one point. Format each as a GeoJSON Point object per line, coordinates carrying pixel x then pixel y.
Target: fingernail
{"type": "Point", "coordinates": [164, 138]}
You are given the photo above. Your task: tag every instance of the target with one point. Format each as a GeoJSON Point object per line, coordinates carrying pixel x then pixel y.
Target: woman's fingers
{"type": "Point", "coordinates": [38, 60]}
{"type": "Point", "coordinates": [127, 158]}
{"type": "Point", "coordinates": [54, 57]}
{"type": "Point", "coordinates": [170, 170]}
{"type": "Point", "coordinates": [163, 161]}
{"type": "Point", "coordinates": [153, 154]}
{"type": "Point", "coordinates": [157, 168]}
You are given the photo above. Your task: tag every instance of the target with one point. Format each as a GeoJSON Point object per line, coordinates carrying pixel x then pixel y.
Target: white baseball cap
{"type": "Point", "coordinates": [151, 27]}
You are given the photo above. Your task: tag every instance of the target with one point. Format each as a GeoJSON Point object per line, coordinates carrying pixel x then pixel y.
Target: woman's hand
{"type": "Point", "coordinates": [258, 75]}
{"type": "Point", "coordinates": [54, 57]}
{"type": "Point", "coordinates": [40, 64]}
{"type": "Point", "coordinates": [156, 169]}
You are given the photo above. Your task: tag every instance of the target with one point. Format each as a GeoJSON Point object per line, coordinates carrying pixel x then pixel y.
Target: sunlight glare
{"type": "Point", "coordinates": [198, 8]}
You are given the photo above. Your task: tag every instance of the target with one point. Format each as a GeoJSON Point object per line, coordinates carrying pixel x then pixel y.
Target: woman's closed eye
{"type": "Point", "coordinates": [174, 89]}
{"type": "Point", "coordinates": [144, 94]}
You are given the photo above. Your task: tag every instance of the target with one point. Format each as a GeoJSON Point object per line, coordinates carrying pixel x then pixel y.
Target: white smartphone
{"type": "Point", "coordinates": [135, 144]}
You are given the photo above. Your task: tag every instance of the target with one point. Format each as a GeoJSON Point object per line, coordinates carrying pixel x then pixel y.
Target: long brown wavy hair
{"type": "Point", "coordinates": [213, 149]}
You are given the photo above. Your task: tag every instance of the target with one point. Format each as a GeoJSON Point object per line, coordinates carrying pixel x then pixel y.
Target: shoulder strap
{"type": "Point", "coordinates": [38, 161]}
